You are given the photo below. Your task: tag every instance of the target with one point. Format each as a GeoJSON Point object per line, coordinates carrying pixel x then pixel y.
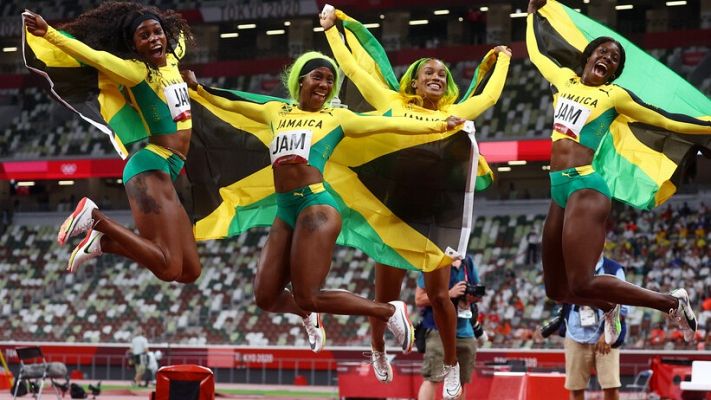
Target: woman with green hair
{"type": "Point", "coordinates": [303, 235]}
{"type": "Point", "coordinates": [426, 92]}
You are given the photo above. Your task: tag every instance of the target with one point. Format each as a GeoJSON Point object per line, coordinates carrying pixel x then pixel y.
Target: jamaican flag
{"type": "Point", "coordinates": [642, 164]}
{"type": "Point", "coordinates": [396, 218]}
{"type": "Point", "coordinates": [371, 57]}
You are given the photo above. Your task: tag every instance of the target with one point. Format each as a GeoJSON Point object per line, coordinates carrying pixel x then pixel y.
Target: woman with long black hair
{"type": "Point", "coordinates": [137, 48]}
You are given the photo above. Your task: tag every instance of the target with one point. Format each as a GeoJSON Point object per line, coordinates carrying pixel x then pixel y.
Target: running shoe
{"type": "Point", "coordinates": [78, 222]}
{"type": "Point", "coordinates": [401, 327]}
{"type": "Point", "coordinates": [613, 326]}
{"type": "Point", "coordinates": [683, 315]}
{"type": "Point", "coordinates": [314, 328]}
{"type": "Point", "coordinates": [89, 248]}
{"type": "Point", "coordinates": [452, 387]}
{"type": "Point", "coordinates": [381, 366]}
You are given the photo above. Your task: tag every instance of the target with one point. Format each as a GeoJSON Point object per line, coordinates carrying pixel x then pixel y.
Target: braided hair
{"type": "Point", "coordinates": [106, 28]}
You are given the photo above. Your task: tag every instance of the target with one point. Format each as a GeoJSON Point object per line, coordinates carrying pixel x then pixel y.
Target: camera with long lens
{"type": "Point", "coordinates": [463, 310]}
{"type": "Point", "coordinates": [475, 290]}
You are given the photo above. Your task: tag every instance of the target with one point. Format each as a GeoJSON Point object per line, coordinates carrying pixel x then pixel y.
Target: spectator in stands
{"type": "Point", "coordinates": [657, 336]}
{"type": "Point", "coordinates": [463, 278]}
{"type": "Point", "coordinates": [131, 45]}
{"type": "Point", "coordinates": [427, 91]}
{"type": "Point", "coordinates": [303, 235]}
{"type": "Point", "coordinates": [574, 230]}
{"type": "Point", "coordinates": [585, 346]}
{"type": "Point", "coordinates": [139, 353]}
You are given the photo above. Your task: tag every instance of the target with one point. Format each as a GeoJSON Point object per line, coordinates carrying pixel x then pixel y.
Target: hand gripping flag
{"type": "Point", "coordinates": [396, 218]}
{"type": "Point", "coordinates": [642, 164]}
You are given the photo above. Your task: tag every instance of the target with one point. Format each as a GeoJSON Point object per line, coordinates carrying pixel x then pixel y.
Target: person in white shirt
{"type": "Point", "coordinates": [139, 349]}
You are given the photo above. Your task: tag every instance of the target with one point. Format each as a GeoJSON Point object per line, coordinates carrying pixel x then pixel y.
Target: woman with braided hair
{"type": "Point", "coordinates": [136, 48]}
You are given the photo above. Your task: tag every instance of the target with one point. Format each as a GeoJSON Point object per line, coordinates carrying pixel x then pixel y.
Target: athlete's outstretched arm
{"type": "Point", "coordinates": [550, 70]}
{"type": "Point", "coordinates": [362, 125]}
{"type": "Point", "coordinates": [472, 107]}
{"type": "Point", "coordinates": [258, 112]}
{"type": "Point", "coordinates": [627, 103]}
{"type": "Point", "coordinates": [373, 91]}
{"type": "Point", "coordinates": [121, 71]}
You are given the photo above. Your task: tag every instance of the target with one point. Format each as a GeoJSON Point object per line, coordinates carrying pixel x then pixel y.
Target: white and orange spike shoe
{"type": "Point", "coordinates": [78, 222]}
{"type": "Point", "coordinates": [89, 248]}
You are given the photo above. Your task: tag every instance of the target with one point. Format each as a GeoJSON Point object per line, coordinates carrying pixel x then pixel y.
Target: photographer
{"type": "Point", "coordinates": [464, 290]}
{"type": "Point", "coordinates": [585, 346]}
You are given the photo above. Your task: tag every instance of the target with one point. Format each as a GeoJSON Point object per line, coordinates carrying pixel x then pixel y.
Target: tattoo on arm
{"type": "Point", "coordinates": [137, 190]}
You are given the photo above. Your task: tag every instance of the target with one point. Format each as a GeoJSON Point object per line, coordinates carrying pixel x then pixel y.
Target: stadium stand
{"type": "Point", "coordinates": [41, 128]}
{"type": "Point", "coordinates": [103, 302]}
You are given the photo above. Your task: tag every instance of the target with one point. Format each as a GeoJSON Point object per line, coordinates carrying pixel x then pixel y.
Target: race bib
{"type": "Point", "coordinates": [292, 144]}
{"type": "Point", "coordinates": [177, 97]}
{"type": "Point", "coordinates": [569, 117]}
{"type": "Point", "coordinates": [588, 316]}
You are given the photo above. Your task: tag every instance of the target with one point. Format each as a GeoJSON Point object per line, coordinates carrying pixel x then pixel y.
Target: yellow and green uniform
{"type": "Point", "coordinates": [322, 130]}
{"type": "Point", "coordinates": [585, 114]}
{"type": "Point", "coordinates": [153, 158]}
{"type": "Point", "coordinates": [147, 89]}
{"type": "Point", "coordinates": [159, 101]}
{"type": "Point", "coordinates": [310, 137]}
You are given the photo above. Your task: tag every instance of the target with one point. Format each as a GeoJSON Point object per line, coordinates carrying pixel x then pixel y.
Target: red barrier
{"type": "Point", "coordinates": [546, 386]}
{"type": "Point", "coordinates": [5, 379]}
{"type": "Point", "coordinates": [666, 378]}
{"type": "Point", "coordinates": [184, 382]}
{"type": "Point", "coordinates": [528, 386]}
{"type": "Point", "coordinates": [508, 385]}
{"type": "Point", "coordinates": [357, 380]}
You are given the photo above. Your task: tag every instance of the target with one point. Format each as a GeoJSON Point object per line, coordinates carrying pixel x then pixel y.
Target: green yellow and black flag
{"type": "Point", "coordinates": [371, 57]}
{"type": "Point", "coordinates": [87, 91]}
{"type": "Point", "coordinates": [642, 164]}
{"type": "Point", "coordinates": [411, 222]}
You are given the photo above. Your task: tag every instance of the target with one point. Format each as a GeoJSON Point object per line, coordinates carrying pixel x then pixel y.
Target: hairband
{"type": "Point", "coordinates": [317, 63]}
{"type": "Point", "coordinates": [135, 22]}
{"type": "Point", "coordinates": [416, 67]}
